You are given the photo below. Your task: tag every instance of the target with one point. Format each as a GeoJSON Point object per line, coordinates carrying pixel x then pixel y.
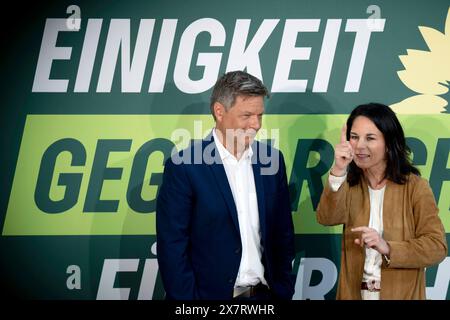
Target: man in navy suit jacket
{"type": "Point", "coordinates": [223, 217]}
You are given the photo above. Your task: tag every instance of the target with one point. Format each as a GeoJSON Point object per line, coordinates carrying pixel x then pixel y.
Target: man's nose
{"type": "Point", "coordinates": [255, 122]}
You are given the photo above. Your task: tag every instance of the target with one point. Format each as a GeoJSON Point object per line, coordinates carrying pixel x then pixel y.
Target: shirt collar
{"type": "Point", "coordinates": [224, 153]}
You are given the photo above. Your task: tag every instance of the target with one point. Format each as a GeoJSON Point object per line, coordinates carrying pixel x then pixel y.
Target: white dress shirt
{"type": "Point", "coordinates": [242, 183]}
{"type": "Point", "coordinates": [373, 260]}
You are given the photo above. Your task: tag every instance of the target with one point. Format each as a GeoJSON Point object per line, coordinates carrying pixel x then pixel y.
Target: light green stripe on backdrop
{"type": "Point", "coordinates": [25, 218]}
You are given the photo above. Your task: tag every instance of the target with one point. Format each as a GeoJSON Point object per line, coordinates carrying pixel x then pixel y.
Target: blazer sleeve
{"type": "Point", "coordinates": [333, 206]}
{"type": "Point", "coordinates": [429, 246]}
{"type": "Point", "coordinates": [284, 284]}
{"type": "Point", "coordinates": [173, 216]}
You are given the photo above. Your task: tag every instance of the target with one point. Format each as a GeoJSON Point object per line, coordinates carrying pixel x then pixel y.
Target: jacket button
{"type": "Point", "coordinates": [237, 251]}
{"type": "Point", "coordinates": [230, 280]}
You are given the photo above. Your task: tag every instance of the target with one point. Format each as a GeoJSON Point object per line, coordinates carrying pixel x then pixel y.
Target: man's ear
{"type": "Point", "coordinates": [219, 110]}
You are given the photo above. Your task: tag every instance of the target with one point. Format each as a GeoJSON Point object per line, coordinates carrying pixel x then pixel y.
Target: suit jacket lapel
{"type": "Point", "coordinates": [259, 186]}
{"type": "Point", "coordinates": [222, 182]}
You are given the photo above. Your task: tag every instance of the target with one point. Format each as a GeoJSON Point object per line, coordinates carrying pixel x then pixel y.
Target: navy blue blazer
{"type": "Point", "coordinates": [198, 241]}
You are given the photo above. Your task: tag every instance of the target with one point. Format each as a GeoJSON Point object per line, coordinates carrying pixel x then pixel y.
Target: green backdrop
{"type": "Point", "coordinates": [92, 94]}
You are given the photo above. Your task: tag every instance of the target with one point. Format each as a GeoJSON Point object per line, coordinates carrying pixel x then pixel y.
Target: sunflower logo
{"type": "Point", "coordinates": [427, 73]}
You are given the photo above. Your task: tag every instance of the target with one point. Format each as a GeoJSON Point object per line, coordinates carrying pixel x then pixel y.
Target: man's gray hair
{"type": "Point", "coordinates": [233, 84]}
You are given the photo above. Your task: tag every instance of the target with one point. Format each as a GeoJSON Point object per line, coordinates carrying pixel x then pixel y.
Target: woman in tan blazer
{"type": "Point", "coordinates": [392, 230]}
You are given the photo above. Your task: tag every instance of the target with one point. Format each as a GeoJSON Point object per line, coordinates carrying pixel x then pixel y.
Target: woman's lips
{"type": "Point", "coordinates": [362, 157]}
